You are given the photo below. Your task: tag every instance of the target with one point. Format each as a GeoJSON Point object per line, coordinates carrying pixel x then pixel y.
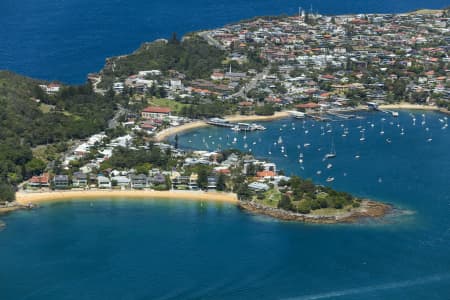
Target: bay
{"type": "Point", "coordinates": [66, 39]}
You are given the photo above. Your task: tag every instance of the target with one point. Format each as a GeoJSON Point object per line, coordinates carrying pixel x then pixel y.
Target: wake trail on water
{"type": "Point", "coordinates": [375, 288]}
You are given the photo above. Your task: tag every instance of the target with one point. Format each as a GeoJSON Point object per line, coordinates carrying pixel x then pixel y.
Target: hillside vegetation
{"type": "Point", "coordinates": [76, 112]}
{"type": "Point", "coordinates": [193, 57]}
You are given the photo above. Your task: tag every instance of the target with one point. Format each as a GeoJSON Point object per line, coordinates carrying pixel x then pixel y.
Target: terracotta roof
{"type": "Point", "coordinates": [245, 103]}
{"type": "Point", "coordinates": [156, 109]}
{"type": "Point", "coordinates": [307, 105]}
{"type": "Point", "coordinates": [265, 174]}
{"type": "Point", "coordinates": [43, 179]}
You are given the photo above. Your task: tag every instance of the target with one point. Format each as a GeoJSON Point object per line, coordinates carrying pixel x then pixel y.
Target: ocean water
{"type": "Point", "coordinates": [65, 39]}
{"type": "Point", "coordinates": [157, 249]}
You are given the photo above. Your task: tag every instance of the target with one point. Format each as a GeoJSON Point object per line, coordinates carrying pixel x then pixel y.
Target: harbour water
{"type": "Point", "coordinates": [64, 40]}
{"type": "Point", "coordinates": [159, 249]}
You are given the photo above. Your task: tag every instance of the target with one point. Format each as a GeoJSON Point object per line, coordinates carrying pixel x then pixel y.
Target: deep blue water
{"type": "Point", "coordinates": [65, 39]}
{"type": "Point", "coordinates": [158, 249]}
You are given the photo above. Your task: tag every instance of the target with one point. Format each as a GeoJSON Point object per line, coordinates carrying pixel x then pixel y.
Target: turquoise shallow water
{"type": "Point", "coordinates": [156, 249]}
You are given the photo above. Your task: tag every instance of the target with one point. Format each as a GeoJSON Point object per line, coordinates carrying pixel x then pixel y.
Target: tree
{"type": "Point", "coordinates": [243, 192]}
{"type": "Point", "coordinates": [34, 167]}
{"type": "Point", "coordinates": [176, 141]}
{"type": "Point", "coordinates": [221, 184]}
{"type": "Point", "coordinates": [7, 192]}
{"type": "Point", "coordinates": [174, 39]}
{"type": "Point", "coordinates": [202, 180]}
{"type": "Point", "coordinates": [285, 202]}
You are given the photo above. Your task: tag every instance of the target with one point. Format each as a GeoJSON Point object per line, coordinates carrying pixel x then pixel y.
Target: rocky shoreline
{"type": "Point", "coordinates": [368, 209]}
{"type": "Point", "coordinates": [13, 206]}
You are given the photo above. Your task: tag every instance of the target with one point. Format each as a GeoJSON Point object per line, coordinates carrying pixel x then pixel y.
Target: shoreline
{"type": "Point", "coordinates": [410, 106]}
{"type": "Point", "coordinates": [368, 210]}
{"type": "Point", "coordinates": [164, 134]}
{"type": "Point", "coordinates": [23, 198]}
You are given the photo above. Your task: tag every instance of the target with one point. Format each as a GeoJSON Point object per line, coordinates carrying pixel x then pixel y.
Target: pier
{"type": "Point", "coordinates": [341, 116]}
{"type": "Point", "coordinates": [391, 112]}
{"type": "Point", "coordinates": [235, 126]}
{"type": "Point", "coordinates": [220, 122]}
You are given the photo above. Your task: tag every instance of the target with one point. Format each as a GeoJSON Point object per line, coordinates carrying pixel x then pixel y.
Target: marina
{"type": "Point", "coordinates": [235, 126]}
{"type": "Point", "coordinates": [307, 146]}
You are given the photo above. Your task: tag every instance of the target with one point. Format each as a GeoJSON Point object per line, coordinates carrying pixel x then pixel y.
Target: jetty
{"type": "Point", "coordinates": [391, 112]}
{"type": "Point", "coordinates": [220, 122]}
{"type": "Point", "coordinates": [318, 117]}
{"type": "Point", "coordinates": [341, 116]}
{"type": "Point", "coordinates": [235, 126]}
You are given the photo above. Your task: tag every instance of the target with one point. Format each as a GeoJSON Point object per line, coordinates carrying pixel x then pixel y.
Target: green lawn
{"type": "Point", "coordinates": [172, 104]}
{"type": "Point", "coordinates": [271, 198]}
{"type": "Point", "coordinates": [45, 108]}
{"type": "Point", "coordinates": [329, 211]}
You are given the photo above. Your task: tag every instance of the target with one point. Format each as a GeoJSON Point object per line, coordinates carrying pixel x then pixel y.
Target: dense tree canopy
{"type": "Point", "coordinates": [29, 117]}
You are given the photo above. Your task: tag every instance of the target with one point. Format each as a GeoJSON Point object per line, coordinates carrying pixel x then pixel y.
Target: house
{"type": "Point", "coordinates": [155, 112]}
{"type": "Point", "coordinates": [180, 181]}
{"type": "Point", "coordinates": [193, 181]}
{"type": "Point", "coordinates": [212, 182]}
{"type": "Point", "coordinates": [309, 105]}
{"type": "Point", "coordinates": [217, 76]}
{"type": "Point", "coordinates": [51, 88]}
{"type": "Point", "coordinates": [118, 87]}
{"type": "Point", "coordinates": [39, 181]}
{"type": "Point", "coordinates": [158, 179]}
{"type": "Point", "coordinates": [79, 179]}
{"type": "Point", "coordinates": [258, 186]}
{"type": "Point", "coordinates": [121, 181]}
{"type": "Point", "coordinates": [139, 181]}
{"type": "Point", "coordinates": [265, 174]}
{"type": "Point", "coordinates": [61, 182]}
{"type": "Point", "coordinates": [103, 182]}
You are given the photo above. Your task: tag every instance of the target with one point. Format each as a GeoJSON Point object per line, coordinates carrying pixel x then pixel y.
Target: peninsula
{"type": "Point", "coordinates": [109, 133]}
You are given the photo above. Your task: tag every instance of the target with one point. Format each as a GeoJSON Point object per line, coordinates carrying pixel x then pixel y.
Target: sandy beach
{"type": "Point", "coordinates": [405, 105]}
{"type": "Point", "coordinates": [25, 198]}
{"type": "Point", "coordinates": [164, 134]}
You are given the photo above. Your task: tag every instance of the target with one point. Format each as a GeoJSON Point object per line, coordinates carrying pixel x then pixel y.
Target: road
{"type": "Point", "coordinates": [213, 42]}
{"type": "Point", "coordinates": [252, 84]}
{"type": "Point", "coordinates": [113, 123]}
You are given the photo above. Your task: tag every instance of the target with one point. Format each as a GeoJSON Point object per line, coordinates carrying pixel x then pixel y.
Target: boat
{"type": "Point", "coordinates": [362, 138]}
{"type": "Point", "coordinates": [257, 127]}
{"type": "Point", "coordinates": [330, 179]}
{"type": "Point", "coordinates": [297, 114]}
{"type": "Point", "coordinates": [319, 172]}
{"type": "Point", "coordinates": [306, 145]}
{"type": "Point", "coordinates": [329, 166]}
{"type": "Point", "coordinates": [332, 153]}
{"type": "Point", "coordinates": [388, 140]}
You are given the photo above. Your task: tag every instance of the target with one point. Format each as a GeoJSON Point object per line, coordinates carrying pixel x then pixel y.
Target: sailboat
{"type": "Point", "coordinates": [362, 139]}
{"type": "Point", "coordinates": [330, 179]}
{"type": "Point", "coordinates": [332, 153]}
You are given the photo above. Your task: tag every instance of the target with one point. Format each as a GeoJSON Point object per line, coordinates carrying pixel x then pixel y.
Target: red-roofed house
{"type": "Point", "coordinates": [40, 181]}
{"type": "Point", "coordinates": [265, 174]}
{"type": "Point", "coordinates": [309, 105]}
{"type": "Point", "coordinates": [155, 112]}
